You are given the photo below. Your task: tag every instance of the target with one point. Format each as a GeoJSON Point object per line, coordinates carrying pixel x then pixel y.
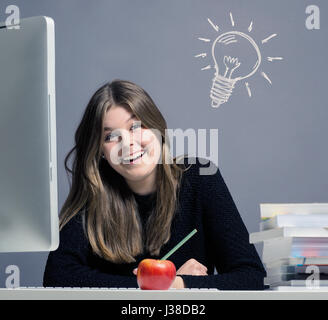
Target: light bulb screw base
{"type": "Point", "coordinates": [221, 90]}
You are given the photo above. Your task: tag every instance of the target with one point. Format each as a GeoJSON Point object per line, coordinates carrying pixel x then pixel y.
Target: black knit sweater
{"type": "Point", "coordinates": [221, 241]}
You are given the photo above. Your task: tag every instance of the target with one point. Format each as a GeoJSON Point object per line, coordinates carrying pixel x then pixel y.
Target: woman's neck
{"type": "Point", "coordinates": [144, 186]}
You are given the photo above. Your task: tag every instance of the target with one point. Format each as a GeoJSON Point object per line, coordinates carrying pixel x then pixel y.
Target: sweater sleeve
{"type": "Point", "coordinates": [237, 262]}
{"type": "Point", "coordinates": [67, 266]}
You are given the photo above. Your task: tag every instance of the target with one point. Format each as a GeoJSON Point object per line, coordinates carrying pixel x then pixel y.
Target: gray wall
{"type": "Point", "coordinates": [271, 146]}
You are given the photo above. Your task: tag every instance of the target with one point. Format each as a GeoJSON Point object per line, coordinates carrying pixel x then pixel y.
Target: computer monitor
{"type": "Point", "coordinates": [28, 160]}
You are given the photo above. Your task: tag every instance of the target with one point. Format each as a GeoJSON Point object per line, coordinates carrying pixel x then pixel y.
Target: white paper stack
{"type": "Point", "coordinates": [295, 243]}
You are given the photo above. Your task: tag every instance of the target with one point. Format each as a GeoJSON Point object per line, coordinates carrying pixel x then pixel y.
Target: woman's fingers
{"type": "Point", "coordinates": [192, 267]}
{"type": "Point", "coordinates": [135, 271]}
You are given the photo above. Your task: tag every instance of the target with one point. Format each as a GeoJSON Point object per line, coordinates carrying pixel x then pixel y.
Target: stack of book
{"type": "Point", "coordinates": [295, 244]}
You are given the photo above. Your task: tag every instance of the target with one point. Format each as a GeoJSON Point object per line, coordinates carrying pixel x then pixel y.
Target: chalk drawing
{"type": "Point", "coordinates": [231, 67]}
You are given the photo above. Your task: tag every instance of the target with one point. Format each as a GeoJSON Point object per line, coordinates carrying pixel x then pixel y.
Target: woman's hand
{"type": "Point", "coordinates": [178, 283]}
{"type": "Point", "coordinates": [192, 267]}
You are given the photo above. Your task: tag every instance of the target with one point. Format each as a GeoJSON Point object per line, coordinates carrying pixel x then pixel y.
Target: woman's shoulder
{"type": "Point", "coordinates": [73, 232]}
{"type": "Point", "coordinates": [198, 172]}
{"type": "Point", "coordinates": [75, 224]}
{"type": "Point", "coordinates": [197, 166]}
{"type": "Point", "coordinates": [204, 177]}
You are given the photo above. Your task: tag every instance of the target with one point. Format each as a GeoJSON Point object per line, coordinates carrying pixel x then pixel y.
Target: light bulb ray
{"type": "Point", "coordinates": [204, 39]}
{"type": "Point", "coordinates": [231, 19]}
{"type": "Point", "coordinates": [215, 26]}
{"type": "Point", "coordinates": [270, 59]}
{"type": "Point", "coordinates": [269, 38]}
{"type": "Point", "coordinates": [265, 76]}
{"type": "Point", "coordinates": [206, 68]}
{"type": "Point", "coordinates": [250, 28]}
{"type": "Point", "coordinates": [203, 55]}
{"type": "Point", "coordinates": [248, 89]}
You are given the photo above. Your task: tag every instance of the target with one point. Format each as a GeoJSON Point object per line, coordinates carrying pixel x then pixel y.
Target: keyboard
{"type": "Point", "coordinates": [42, 293]}
{"type": "Point", "coordinates": [49, 293]}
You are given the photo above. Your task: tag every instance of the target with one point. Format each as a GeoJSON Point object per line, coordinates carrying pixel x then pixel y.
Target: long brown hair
{"type": "Point", "coordinates": [113, 225]}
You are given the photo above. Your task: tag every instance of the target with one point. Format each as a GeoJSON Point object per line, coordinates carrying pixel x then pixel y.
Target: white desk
{"type": "Point", "coordinates": [172, 294]}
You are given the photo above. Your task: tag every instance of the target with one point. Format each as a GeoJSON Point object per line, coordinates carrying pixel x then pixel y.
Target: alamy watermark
{"type": "Point", "coordinates": [13, 18]}
{"type": "Point", "coordinates": [312, 281]}
{"type": "Point", "coordinates": [312, 21]}
{"type": "Point", "coordinates": [13, 280]}
{"type": "Point", "coordinates": [119, 148]}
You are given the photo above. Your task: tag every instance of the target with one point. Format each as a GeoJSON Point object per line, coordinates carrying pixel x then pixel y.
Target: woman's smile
{"type": "Point", "coordinates": [134, 159]}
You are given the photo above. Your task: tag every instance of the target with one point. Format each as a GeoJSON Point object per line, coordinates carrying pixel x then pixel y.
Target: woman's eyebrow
{"type": "Point", "coordinates": [110, 129]}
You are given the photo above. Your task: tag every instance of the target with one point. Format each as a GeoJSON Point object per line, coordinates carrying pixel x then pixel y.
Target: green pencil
{"type": "Point", "coordinates": [179, 244]}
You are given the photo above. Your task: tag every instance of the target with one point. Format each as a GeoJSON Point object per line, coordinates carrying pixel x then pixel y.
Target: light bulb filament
{"type": "Point", "coordinates": [231, 65]}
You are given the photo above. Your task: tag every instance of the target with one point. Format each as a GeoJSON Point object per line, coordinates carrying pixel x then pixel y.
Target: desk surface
{"type": "Point", "coordinates": [282, 293]}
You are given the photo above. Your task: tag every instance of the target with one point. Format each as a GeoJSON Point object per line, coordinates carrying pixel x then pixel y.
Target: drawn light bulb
{"type": "Point", "coordinates": [236, 57]}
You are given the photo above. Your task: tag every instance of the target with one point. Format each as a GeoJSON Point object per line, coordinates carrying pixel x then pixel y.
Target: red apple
{"type": "Point", "coordinates": [155, 274]}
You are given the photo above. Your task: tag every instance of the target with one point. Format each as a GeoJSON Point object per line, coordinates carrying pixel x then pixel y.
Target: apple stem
{"type": "Point", "coordinates": [179, 244]}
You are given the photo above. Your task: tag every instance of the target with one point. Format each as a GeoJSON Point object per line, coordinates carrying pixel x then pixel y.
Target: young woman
{"type": "Point", "coordinates": [130, 200]}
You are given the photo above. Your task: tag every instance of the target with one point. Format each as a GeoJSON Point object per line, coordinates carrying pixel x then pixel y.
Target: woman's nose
{"type": "Point", "coordinates": [129, 138]}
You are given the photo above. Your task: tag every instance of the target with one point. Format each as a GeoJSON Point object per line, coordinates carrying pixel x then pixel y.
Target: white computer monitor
{"type": "Point", "coordinates": [28, 160]}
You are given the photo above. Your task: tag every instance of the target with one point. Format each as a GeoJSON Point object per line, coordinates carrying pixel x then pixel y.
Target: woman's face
{"type": "Point", "coordinates": [124, 139]}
